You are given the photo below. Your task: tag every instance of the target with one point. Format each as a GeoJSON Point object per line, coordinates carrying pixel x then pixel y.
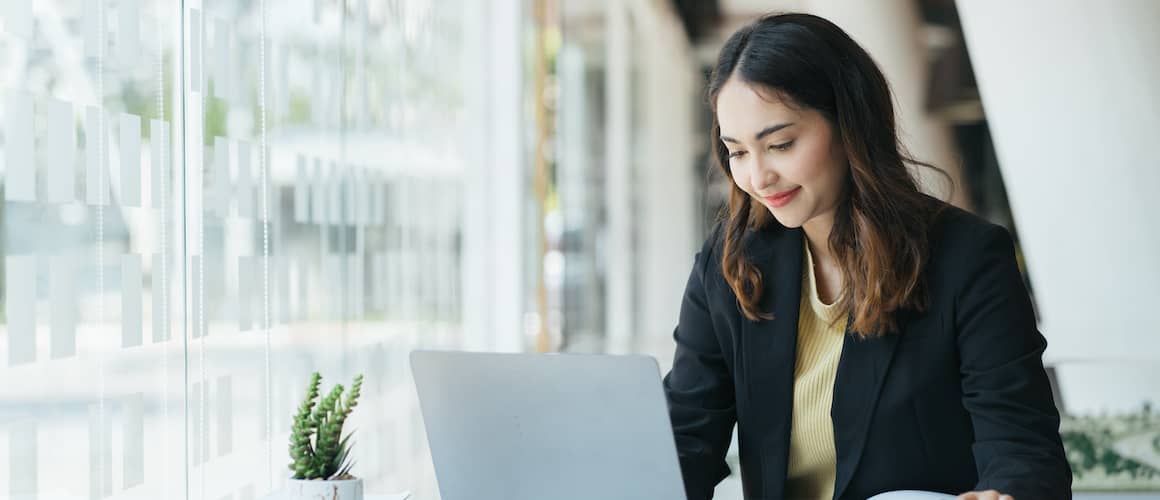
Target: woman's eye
{"type": "Point", "coordinates": [736, 154]}
{"type": "Point", "coordinates": [781, 147]}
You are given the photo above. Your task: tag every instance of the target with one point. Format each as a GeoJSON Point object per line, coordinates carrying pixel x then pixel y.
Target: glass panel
{"type": "Point", "coordinates": [204, 203]}
{"type": "Point", "coordinates": [91, 358]}
{"type": "Point", "coordinates": [341, 132]}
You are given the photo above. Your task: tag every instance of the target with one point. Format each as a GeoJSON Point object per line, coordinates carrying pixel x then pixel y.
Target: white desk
{"type": "Point", "coordinates": [401, 496]}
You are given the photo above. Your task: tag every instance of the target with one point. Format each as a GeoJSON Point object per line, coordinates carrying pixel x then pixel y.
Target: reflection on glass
{"type": "Point", "coordinates": [183, 244]}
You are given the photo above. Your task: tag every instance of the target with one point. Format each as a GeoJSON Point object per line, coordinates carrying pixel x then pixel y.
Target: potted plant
{"type": "Point", "coordinates": [319, 451]}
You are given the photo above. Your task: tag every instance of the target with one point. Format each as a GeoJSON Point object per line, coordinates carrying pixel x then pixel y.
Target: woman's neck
{"type": "Point", "coordinates": [817, 232]}
{"type": "Point", "coordinates": [827, 275]}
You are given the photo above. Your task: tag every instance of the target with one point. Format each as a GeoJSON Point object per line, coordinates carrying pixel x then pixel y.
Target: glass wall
{"type": "Point", "coordinates": [204, 202]}
{"type": "Point", "coordinates": [92, 385]}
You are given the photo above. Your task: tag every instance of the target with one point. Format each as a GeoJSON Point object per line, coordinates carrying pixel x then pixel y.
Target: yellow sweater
{"type": "Point", "coordinates": [821, 329]}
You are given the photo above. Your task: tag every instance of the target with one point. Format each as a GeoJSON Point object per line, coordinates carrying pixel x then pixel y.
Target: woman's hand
{"type": "Point", "coordinates": [985, 495]}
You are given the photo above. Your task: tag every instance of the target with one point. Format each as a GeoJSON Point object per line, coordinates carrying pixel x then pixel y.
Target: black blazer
{"type": "Point", "coordinates": [958, 401]}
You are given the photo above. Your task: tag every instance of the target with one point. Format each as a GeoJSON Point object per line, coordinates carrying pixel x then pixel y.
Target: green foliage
{"type": "Point", "coordinates": [300, 111]}
{"type": "Point", "coordinates": [1094, 444]}
{"type": "Point", "coordinates": [214, 121]}
{"type": "Point", "coordinates": [318, 449]}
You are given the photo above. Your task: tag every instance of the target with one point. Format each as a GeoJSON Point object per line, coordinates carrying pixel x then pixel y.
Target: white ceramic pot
{"type": "Point", "coordinates": [301, 489]}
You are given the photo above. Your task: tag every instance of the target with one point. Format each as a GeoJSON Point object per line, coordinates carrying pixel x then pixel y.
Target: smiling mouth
{"type": "Point", "coordinates": [783, 198]}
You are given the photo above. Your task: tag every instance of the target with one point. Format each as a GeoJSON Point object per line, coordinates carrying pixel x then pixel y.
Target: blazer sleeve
{"type": "Point", "coordinates": [699, 390]}
{"type": "Point", "coordinates": [1017, 446]}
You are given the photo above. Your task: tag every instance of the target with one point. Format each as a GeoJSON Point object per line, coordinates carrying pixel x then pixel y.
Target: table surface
{"type": "Point", "coordinates": [400, 496]}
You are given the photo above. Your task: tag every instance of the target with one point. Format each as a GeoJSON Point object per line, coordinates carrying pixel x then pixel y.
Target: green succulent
{"type": "Point", "coordinates": [318, 448]}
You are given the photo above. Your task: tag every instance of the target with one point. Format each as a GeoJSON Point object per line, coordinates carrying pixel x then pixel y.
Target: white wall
{"type": "Point", "coordinates": [1071, 89]}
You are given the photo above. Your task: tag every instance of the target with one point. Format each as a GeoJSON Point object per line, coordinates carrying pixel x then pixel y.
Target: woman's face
{"type": "Point", "coordinates": [786, 158]}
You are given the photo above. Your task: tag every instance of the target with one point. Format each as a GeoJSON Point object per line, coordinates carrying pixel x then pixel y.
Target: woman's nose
{"type": "Point", "coordinates": [764, 174]}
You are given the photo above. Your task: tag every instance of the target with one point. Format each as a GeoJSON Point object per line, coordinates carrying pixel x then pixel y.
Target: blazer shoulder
{"type": "Point", "coordinates": [957, 234]}
{"type": "Point", "coordinates": [962, 244]}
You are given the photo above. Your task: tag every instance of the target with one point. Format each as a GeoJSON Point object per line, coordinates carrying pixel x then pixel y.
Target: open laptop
{"type": "Point", "coordinates": [547, 426]}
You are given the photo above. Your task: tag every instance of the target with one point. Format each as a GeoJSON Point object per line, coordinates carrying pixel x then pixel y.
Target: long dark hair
{"type": "Point", "coordinates": [879, 237]}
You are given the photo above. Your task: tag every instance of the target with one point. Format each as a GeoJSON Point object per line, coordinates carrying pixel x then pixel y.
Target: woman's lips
{"type": "Point", "coordinates": [783, 198]}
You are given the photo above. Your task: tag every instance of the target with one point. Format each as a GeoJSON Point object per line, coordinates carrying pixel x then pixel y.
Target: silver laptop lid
{"type": "Point", "coordinates": [547, 426]}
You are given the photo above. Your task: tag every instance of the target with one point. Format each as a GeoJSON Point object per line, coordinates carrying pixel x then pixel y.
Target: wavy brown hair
{"type": "Point", "coordinates": [879, 237]}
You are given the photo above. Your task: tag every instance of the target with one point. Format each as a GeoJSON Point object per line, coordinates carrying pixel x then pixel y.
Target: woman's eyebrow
{"type": "Point", "coordinates": [764, 132]}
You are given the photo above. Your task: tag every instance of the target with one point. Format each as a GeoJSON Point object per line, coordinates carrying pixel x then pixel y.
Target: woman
{"type": "Point", "coordinates": [863, 336]}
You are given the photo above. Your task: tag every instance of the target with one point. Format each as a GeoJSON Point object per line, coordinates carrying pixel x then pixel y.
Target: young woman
{"type": "Point", "coordinates": [863, 336]}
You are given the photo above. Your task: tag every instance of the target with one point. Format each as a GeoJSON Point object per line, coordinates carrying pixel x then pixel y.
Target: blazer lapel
{"type": "Point", "coordinates": [861, 371]}
{"type": "Point", "coordinates": [768, 354]}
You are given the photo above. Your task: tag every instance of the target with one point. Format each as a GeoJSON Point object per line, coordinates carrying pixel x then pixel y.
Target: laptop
{"type": "Point", "coordinates": [547, 426]}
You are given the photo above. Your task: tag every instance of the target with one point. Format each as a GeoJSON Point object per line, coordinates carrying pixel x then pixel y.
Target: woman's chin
{"type": "Point", "coordinates": [786, 218]}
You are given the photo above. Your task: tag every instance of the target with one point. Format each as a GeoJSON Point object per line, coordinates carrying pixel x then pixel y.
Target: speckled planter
{"type": "Point", "coordinates": [299, 489]}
